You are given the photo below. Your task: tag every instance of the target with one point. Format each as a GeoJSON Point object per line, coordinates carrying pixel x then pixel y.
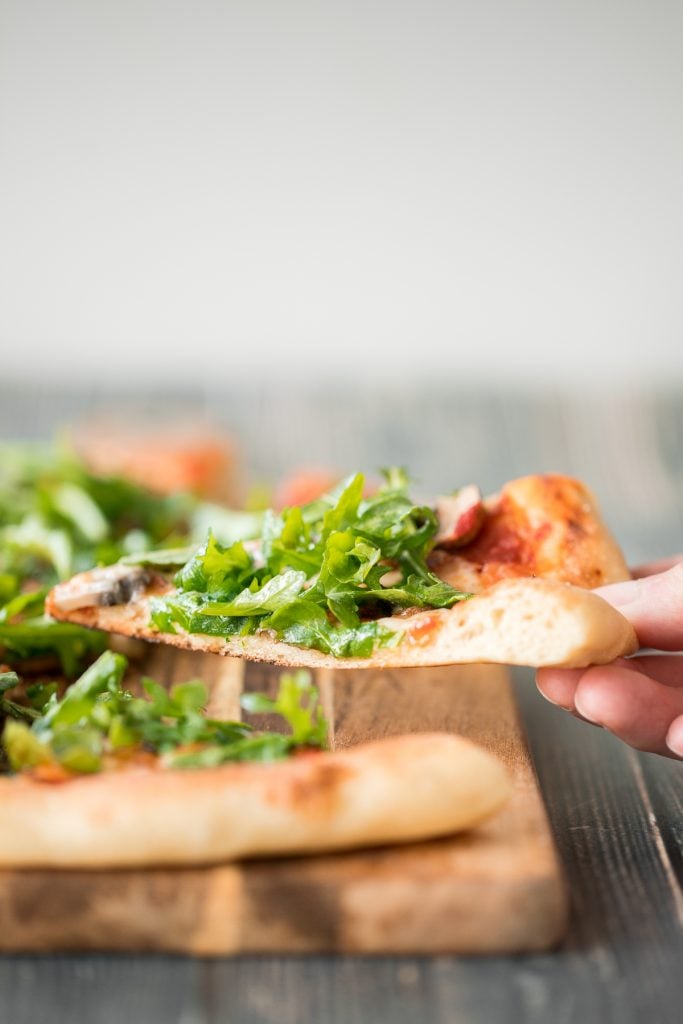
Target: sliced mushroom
{"type": "Point", "coordinates": [114, 584]}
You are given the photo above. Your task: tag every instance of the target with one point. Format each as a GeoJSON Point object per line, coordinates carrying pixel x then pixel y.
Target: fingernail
{"type": "Point", "coordinates": [582, 718]}
{"type": "Point", "coordinates": [547, 680]}
{"type": "Point", "coordinates": [555, 703]}
{"type": "Point", "coordinates": [620, 594]}
{"type": "Point", "coordinates": [674, 737]}
{"type": "Point", "coordinates": [580, 708]}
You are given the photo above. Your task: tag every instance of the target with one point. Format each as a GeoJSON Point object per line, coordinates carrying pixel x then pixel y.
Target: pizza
{"type": "Point", "coordinates": [167, 458]}
{"type": "Point", "coordinates": [352, 580]}
{"type": "Point", "coordinates": [60, 516]}
{"type": "Point", "coordinates": [102, 776]}
{"type": "Point", "coordinates": [106, 777]}
{"type": "Point", "coordinates": [94, 774]}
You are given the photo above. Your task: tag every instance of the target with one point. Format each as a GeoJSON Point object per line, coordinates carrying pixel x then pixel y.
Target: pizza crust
{"type": "Point", "coordinates": [545, 525]}
{"type": "Point", "coordinates": [390, 791]}
{"type": "Point", "coordinates": [531, 622]}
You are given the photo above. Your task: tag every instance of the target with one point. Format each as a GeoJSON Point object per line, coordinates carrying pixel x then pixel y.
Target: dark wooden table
{"type": "Point", "coordinates": [617, 815]}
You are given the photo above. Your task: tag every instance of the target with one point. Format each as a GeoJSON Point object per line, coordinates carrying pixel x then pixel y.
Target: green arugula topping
{"type": "Point", "coordinates": [98, 718]}
{"type": "Point", "coordinates": [306, 720]}
{"type": "Point", "coordinates": [32, 637]}
{"type": "Point", "coordinates": [8, 681]}
{"type": "Point", "coordinates": [56, 519]}
{"type": "Point", "coordinates": [321, 575]}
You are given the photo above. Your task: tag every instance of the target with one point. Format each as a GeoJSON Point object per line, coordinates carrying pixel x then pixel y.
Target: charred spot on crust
{"type": "Point", "coordinates": [575, 527]}
{"type": "Point", "coordinates": [313, 792]}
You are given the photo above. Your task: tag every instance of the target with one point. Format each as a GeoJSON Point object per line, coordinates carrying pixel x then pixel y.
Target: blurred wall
{"type": "Point", "coordinates": [209, 190]}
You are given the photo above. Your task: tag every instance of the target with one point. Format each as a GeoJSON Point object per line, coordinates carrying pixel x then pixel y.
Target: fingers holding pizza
{"type": "Point", "coordinates": [351, 581]}
{"type": "Point", "coordinates": [638, 699]}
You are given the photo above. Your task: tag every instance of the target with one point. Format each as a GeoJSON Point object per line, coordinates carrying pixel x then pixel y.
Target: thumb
{"type": "Point", "coordinates": [653, 605]}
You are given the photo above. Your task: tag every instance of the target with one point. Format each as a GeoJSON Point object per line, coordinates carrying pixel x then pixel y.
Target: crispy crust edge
{"type": "Point", "coordinates": [532, 622]}
{"type": "Point", "coordinates": [393, 790]}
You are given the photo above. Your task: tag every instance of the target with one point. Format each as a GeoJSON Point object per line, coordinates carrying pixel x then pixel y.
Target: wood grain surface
{"type": "Point", "coordinates": [616, 815]}
{"type": "Point", "coordinates": [497, 888]}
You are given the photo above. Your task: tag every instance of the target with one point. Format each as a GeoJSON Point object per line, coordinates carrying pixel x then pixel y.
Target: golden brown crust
{"type": "Point", "coordinates": [547, 526]}
{"type": "Point", "coordinates": [390, 791]}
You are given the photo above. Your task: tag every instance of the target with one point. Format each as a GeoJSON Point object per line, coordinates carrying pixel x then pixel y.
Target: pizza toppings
{"type": "Point", "coordinates": [99, 725]}
{"type": "Point", "coordinates": [351, 580]}
{"type": "Point", "coordinates": [544, 525]}
{"type": "Point", "coordinates": [115, 584]}
{"type": "Point", "coordinates": [31, 640]}
{"type": "Point", "coordinates": [321, 577]}
{"type": "Point", "coordinates": [9, 681]}
{"type": "Point", "coordinates": [460, 516]}
{"type": "Point", "coordinates": [57, 518]}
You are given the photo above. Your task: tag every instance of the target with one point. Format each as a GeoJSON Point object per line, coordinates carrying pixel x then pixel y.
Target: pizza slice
{"type": "Point", "coordinates": [59, 515]}
{"type": "Point", "coordinates": [351, 581]}
{"type": "Point", "coordinates": [105, 777]}
{"type": "Point", "coordinates": [166, 458]}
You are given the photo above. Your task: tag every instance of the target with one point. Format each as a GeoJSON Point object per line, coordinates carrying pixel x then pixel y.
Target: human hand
{"type": "Point", "coordinates": [639, 699]}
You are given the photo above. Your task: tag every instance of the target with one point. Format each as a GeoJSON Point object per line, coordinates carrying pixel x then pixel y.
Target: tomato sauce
{"type": "Point", "coordinates": [507, 544]}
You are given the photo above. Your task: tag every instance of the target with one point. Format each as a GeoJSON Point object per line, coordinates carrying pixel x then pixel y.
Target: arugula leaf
{"type": "Point", "coordinates": [24, 749]}
{"type": "Point", "coordinates": [104, 674]}
{"type": "Point", "coordinates": [270, 746]}
{"type": "Point", "coordinates": [97, 718]}
{"type": "Point", "coordinates": [8, 681]}
{"type": "Point", "coordinates": [166, 558]}
{"type": "Point", "coordinates": [30, 600]}
{"type": "Point", "coordinates": [57, 518]}
{"type": "Point", "coordinates": [317, 574]}
{"type": "Point", "coordinates": [78, 748]}
{"type": "Point", "coordinates": [210, 567]}
{"type": "Point", "coordinates": [345, 511]}
{"type": "Point", "coordinates": [397, 478]}
{"type": "Point", "coordinates": [273, 595]}
{"type": "Point", "coordinates": [33, 538]}
{"type": "Point", "coordinates": [306, 624]}
{"type": "Point", "coordinates": [187, 611]}
{"type": "Point", "coordinates": [76, 505]}
{"type": "Point", "coordinates": [228, 525]}
{"type": "Point", "coordinates": [35, 636]}
{"type": "Point", "coordinates": [297, 702]}
{"type": "Point", "coordinates": [9, 586]}
{"type": "Point", "coordinates": [37, 695]}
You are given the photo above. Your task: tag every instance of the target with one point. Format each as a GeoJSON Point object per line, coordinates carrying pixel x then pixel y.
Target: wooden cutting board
{"type": "Point", "coordinates": [497, 889]}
